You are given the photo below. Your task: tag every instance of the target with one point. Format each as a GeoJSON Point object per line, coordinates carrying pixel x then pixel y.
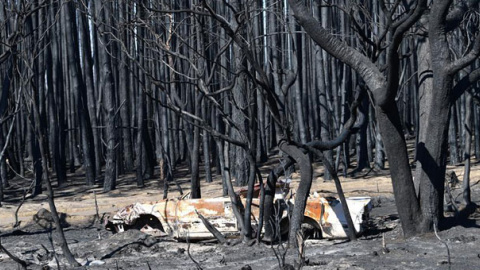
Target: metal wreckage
{"type": "Point", "coordinates": [180, 219]}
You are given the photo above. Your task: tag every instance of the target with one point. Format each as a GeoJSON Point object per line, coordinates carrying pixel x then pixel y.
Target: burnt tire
{"type": "Point", "coordinates": [145, 222]}
{"type": "Point", "coordinates": [309, 229]}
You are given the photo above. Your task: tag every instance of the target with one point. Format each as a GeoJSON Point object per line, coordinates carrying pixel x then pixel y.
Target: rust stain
{"type": "Point", "coordinates": [313, 209]}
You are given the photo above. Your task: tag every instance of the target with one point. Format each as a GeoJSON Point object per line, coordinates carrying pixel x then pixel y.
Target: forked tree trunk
{"type": "Point", "coordinates": [306, 176]}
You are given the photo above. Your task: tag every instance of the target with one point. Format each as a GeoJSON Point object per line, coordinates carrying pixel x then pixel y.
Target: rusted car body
{"type": "Point", "coordinates": [179, 219]}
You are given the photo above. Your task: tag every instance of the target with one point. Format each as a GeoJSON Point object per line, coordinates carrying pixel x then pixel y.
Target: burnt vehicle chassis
{"type": "Point", "coordinates": [178, 218]}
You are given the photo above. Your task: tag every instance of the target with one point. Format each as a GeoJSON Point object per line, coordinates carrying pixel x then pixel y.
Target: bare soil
{"type": "Point", "coordinates": [381, 247]}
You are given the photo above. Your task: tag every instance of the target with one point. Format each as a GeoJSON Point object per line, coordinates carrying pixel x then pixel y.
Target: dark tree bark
{"type": "Point", "coordinates": [477, 130]}
{"type": "Point", "coordinates": [40, 138]}
{"type": "Point", "coordinates": [6, 87]}
{"type": "Point", "coordinates": [3, 170]}
{"type": "Point", "coordinates": [103, 15]}
{"type": "Point", "coordinates": [251, 150]}
{"type": "Point", "coordinates": [125, 95]}
{"type": "Point", "coordinates": [206, 145]}
{"type": "Point", "coordinates": [303, 190]}
{"type": "Point", "coordinates": [89, 79]}
{"type": "Point", "coordinates": [55, 105]}
{"type": "Point", "coordinates": [36, 162]}
{"type": "Point", "coordinates": [239, 165]}
{"type": "Point", "coordinates": [247, 224]}
{"type": "Point", "coordinates": [405, 197]}
{"type": "Point", "coordinates": [139, 147]}
{"type": "Point", "coordinates": [361, 141]}
{"type": "Point", "coordinates": [468, 145]}
{"type": "Point", "coordinates": [79, 89]}
{"type": "Point", "coordinates": [324, 120]}
{"type": "Point", "coordinates": [195, 155]}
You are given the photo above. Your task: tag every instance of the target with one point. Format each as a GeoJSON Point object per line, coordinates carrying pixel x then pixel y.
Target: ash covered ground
{"type": "Point", "coordinates": [381, 247]}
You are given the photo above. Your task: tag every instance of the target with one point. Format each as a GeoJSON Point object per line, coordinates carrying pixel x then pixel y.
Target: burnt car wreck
{"type": "Point", "coordinates": [179, 218]}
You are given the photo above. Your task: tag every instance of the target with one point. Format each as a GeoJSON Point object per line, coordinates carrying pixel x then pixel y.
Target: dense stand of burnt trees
{"type": "Point", "coordinates": [123, 86]}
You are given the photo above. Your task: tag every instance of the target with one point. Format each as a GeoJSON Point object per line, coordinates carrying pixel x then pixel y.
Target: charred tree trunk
{"type": "Point", "coordinates": [141, 117]}
{"type": "Point", "coordinates": [404, 191]}
{"type": "Point", "coordinates": [125, 95]}
{"type": "Point", "coordinates": [40, 139]}
{"type": "Point", "coordinates": [79, 89]}
{"type": "Point", "coordinates": [55, 84]}
{"type": "Point", "coordinates": [206, 145]}
{"type": "Point", "coordinates": [89, 81]}
{"type": "Point", "coordinates": [432, 154]}
{"type": "Point", "coordinates": [103, 14]}
{"type": "Point", "coordinates": [468, 145]}
{"type": "Point", "coordinates": [306, 176]}
{"type": "Point", "coordinates": [36, 162]}
{"type": "Point", "coordinates": [324, 124]}
{"type": "Point", "coordinates": [361, 141]}
{"type": "Point", "coordinates": [195, 163]}
{"type": "Point", "coordinates": [239, 165]}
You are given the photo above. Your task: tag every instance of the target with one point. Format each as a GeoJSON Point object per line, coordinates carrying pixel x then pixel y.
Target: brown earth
{"type": "Point", "coordinates": [134, 250]}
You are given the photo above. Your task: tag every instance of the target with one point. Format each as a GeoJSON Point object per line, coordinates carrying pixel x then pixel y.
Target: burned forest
{"type": "Point", "coordinates": [229, 134]}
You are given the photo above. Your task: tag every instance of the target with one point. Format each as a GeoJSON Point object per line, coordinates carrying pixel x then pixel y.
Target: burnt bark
{"type": "Point", "coordinates": [109, 106]}
{"type": "Point", "coordinates": [195, 156]}
{"type": "Point", "coordinates": [407, 203]}
{"type": "Point", "coordinates": [306, 176]}
{"type": "Point", "coordinates": [468, 145]}
{"type": "Point", "coordinates": [140, 107]}
{"type": "Point", "coordinates": [206, 145]}
{"type": "Point", "coordinates": [55, 91]}
{"type": "Point", "coordinates": [361, 141]}
{"type": "Point", "coordinates": [79, 90]}
{"type": "Point", "coordinates": [85, 44]}
{"type": "Point", "coordinates": [39, 137]}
